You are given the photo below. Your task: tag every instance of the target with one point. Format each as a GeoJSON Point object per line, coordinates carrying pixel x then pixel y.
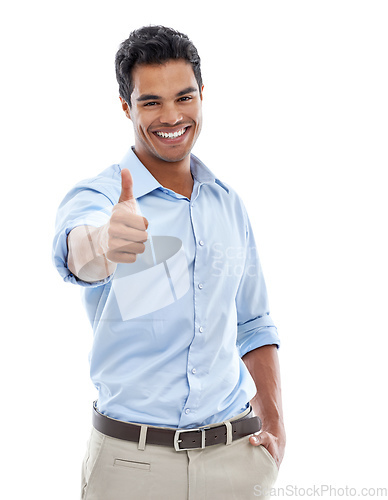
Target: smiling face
{"type": "Point", "coordinates": [166, 111]}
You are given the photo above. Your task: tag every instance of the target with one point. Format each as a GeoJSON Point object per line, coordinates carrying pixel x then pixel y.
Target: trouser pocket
{"type": "Point", "coordinates": [93, 452]}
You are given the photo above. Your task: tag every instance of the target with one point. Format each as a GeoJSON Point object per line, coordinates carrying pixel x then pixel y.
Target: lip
{"type": "Point", "coordinates": [172, 140]}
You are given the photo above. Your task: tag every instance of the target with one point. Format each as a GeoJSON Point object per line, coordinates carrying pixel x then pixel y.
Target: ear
{"type": "Point", "coordinates": [202, 92]}
{"type": "Point", "coordinates": [125, 107]}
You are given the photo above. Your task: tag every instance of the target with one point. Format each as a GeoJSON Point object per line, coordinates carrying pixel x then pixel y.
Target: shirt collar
{"type": "Point", "coordinates": [144, 182]}
{"type": "Point", "coordinates": [203, 174]}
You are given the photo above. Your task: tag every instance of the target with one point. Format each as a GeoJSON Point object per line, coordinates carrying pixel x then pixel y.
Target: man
{"type": "Point", "coordinates": [185, 352]}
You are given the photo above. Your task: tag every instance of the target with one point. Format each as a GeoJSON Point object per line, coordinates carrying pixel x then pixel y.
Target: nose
{"type": "Point", "coordinates": [170, 114]}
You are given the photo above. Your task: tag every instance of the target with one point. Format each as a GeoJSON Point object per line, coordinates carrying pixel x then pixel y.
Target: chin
{"type": "Point", "coordinates": [173, 157]}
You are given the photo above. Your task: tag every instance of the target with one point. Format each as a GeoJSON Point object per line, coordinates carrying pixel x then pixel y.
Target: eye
{"type": "Point", "coordinates": [152, 103]}
{"type": "Point", "coordinates": [185, 98]}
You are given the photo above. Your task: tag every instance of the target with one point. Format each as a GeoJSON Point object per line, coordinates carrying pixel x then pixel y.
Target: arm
{"type": "Point", "coordinates": [93, 252]}
{"type": "Point", "coordinates": [263, 365]}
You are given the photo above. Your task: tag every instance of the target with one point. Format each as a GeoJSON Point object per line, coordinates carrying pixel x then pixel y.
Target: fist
{"type": "Point", "coordinates": [125, 233]}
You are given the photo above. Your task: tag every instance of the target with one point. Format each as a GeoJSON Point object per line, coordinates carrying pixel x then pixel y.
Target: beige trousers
{"type": "Point", "coordinates": [114, 469]}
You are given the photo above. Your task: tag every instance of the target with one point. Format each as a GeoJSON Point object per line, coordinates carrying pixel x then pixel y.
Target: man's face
{"type": "Point", "coordinates": [166, 111]}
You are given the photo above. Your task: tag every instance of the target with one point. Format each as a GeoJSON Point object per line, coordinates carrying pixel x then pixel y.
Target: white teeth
{"type": "Point", "coordinates": [170, 135]}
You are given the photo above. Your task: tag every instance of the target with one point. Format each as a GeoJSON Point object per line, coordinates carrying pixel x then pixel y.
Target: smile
{"type": "Point", "coordinates": [171, 135]}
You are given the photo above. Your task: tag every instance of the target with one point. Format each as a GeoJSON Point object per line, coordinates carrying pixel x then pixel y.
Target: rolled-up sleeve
{"type": "Point", "coordinates": [81, 206]}
{"type": "Point", "coordinates": [255, 326]}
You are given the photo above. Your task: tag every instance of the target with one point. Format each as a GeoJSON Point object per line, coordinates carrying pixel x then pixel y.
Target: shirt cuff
{"type": "Point", "coordinates": [257, 334]}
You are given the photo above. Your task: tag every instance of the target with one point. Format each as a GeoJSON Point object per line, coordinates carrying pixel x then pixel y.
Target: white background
{"type": "Point", "coordinates": [295, 119]}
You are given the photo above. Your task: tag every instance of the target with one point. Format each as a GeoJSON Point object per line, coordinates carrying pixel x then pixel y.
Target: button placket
{"type": "Point", "coordinates": [199, 321]}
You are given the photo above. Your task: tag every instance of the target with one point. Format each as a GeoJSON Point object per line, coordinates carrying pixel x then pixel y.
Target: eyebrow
{"type": "Point", "coordinates": [188, 90]}
{"type": "Point", "coordinates": [152, 97]}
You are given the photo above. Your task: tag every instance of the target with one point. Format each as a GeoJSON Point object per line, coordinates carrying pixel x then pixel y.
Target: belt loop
{"type": "Point", "coordinates": [142, 438]}
{"type": "Point", "coordinates": [228, 426]}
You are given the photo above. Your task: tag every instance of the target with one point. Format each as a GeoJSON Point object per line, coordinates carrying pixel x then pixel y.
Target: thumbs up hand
{"type": "Point", "coordinates": [125, 233]}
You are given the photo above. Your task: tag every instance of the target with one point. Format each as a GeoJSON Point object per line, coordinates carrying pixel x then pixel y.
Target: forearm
{"type": "Point", "coordinates": [86, 254]}
{"type": "Point", "coordinates": [263, 365]}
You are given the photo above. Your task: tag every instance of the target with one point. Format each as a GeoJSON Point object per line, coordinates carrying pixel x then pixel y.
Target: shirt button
{"type": "Point", "coordinates": [187, 411]}
{"type": "Point", "coordinates": [200, 329]}
{"type": "Point", "coordinates": [194, 371]}
{"type": "Point", "coordinates": [201, 243]}
{"type": "Point", "coordinates": [200, 286]}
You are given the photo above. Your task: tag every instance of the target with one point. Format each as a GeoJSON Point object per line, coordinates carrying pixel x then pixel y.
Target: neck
{"type": "Point", "coordinates": [171, 175]}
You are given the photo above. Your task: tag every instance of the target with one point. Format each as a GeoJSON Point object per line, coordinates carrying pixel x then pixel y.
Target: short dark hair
{"type": "Point", "coordinates": [153, 45]}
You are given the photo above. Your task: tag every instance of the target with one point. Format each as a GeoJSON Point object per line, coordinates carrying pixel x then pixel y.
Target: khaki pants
{"type": "Point", "coordinates": [114, 469]}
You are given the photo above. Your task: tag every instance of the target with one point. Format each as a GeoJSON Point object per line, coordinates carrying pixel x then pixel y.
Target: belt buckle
{"type": "Point", "coordinates": [178, 432]}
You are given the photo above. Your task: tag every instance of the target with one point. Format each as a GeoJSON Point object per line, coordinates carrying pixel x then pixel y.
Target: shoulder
{"type": "Point", "coordinates": [107, 183]}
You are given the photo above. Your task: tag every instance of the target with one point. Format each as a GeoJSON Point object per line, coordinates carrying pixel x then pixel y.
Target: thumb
{"type": "Point", "coordinates": [126, 186]}
{"type": "Point", "coordinates": [258, 439]}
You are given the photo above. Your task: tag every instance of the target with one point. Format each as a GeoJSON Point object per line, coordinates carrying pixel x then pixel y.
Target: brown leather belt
{"type": "Point", "coordinates": [180, 439]}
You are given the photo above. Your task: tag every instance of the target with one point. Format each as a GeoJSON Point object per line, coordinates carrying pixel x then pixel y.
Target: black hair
{"type": "Point", "coordinates": [153, 45]}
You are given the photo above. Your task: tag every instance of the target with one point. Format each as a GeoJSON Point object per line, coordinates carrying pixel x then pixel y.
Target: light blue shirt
{"type": "Point", "coordinates": [170, 330]}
